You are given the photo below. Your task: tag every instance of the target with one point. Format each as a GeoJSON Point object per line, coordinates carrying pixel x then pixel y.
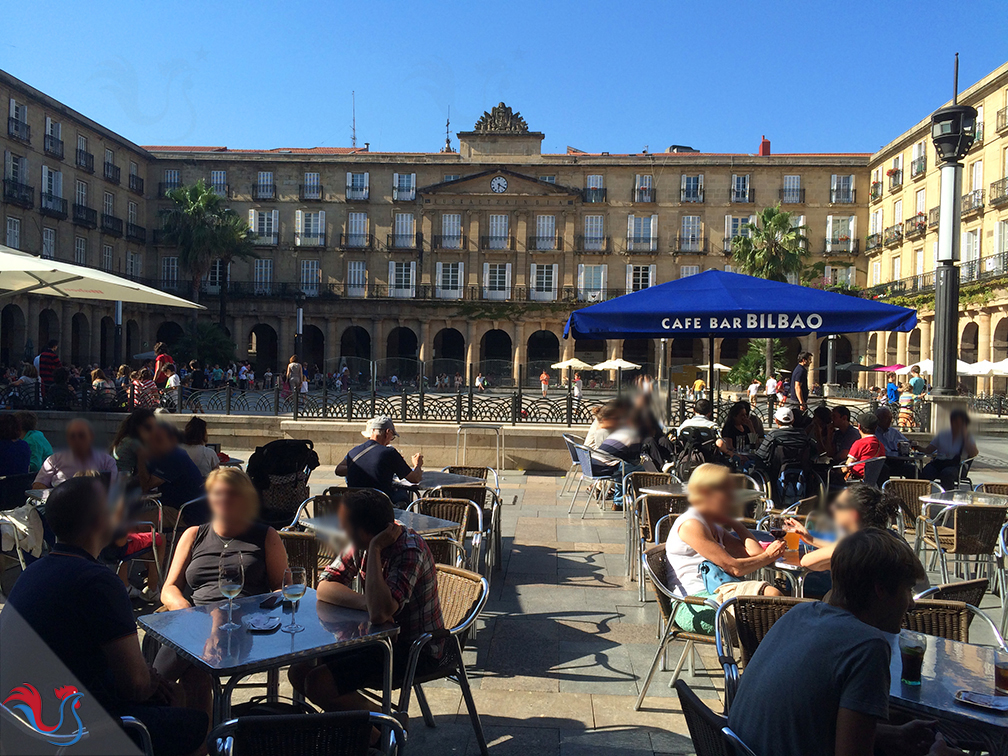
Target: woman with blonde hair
{"type": "Point", "coordinates": [709, 552]}
{"type": "Point", "coordinates": [99, 381]}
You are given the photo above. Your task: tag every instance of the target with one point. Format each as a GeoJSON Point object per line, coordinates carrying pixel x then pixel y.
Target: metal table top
{"type": "Point", "coordinates": [195, 635]}
{"type": "Point", "coordinates": [742, 495]}
{"type": "Point", "coordinates": [436, 478]}
{"type": "Point", "coordinates": [975, 498]}
{"type": "Point", "coordinates": [328, 525]}
{"type": "Point", "coordinates": [950, 666]}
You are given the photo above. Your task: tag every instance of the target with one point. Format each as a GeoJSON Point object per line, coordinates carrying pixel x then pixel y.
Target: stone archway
{"type": "Point", "coordinates": [13, 335]}
{"type": "Point", "coordinates": [169, 333]}
{"type": "Point", "coordinates": [496, 357]}
{"type": "Point", "coordinates": [542, 350]}
{"type": "Point", "coordinates": [355, 354]}
{"type": "Point", "coordinates": [313, 346]}
{"type": "Point", "coordinates": [401, 352]}
{"type": "Point", "coordinates": [449, 353]}
{"type": "Point", "coordinates": [48, 328]}
{"type": "Point", "coordinates": [263, 349]}
{"type": "Point", "coordinates": [80, 340]}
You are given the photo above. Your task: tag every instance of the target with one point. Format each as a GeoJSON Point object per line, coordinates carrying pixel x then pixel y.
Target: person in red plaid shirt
{"type": "Point", "coordinates": [400, 586]}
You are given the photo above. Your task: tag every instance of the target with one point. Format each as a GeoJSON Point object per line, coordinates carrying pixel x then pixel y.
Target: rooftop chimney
{"type": "Point", "coordinates": [764, 147]}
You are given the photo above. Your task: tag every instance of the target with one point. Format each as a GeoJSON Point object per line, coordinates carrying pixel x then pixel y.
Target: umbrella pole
{"type": "Point", "coordinates": [710, 365]}
{"type": "Point", "coordinates": [619, 382]}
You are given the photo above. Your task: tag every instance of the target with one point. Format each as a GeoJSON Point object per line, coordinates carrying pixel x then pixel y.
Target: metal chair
{"type": "Point", "coordinates": [746, 620]}
{"type": "Point", "coordinates": [462, 511]}
{"type": "Point", "coordinates": [462, 595]}
{"type": "Point", "coordinates": [909, 491]}
{"type": "Point", "coordinates": [575, 466]}
{"type": "Point", "coordinates": [303, 551]}
{"type": "Point", "coordinates": [967, 591]}
{"type": "Point", "coordinates": [706, 728]}
{"type": "Point", "coordinates": [599, 482]}
{"type": "Point", "coordinates": [446, 550]}
{"type": "Point", "coordinates": [962, 530]}
{"type": "Point", "coordinates": [341, 733]}
{"type": "Point", "coordinates": [1000, 489]}
{"type": "Point", "coordinates": [634, 483]}
{"type": "Point", "coordinates": [180, 518]}
{"type": "Point", "coordinates": [478, 494]}
{"type": "Point", "coordinates": [656, 567]}
{"type": "Point", "coordinates": [964, 471]}
{"type": "Point", "coordinates": [800, 510]}
{"type": "Point", "coordinates": [654, 507]}
{"type": "Point", "coordinates": [129, 724]}
{"type": "Point", "coordinates": [948, 619]}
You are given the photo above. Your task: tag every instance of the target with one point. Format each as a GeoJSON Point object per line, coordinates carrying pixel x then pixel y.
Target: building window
{"type": "Point", "coordinates": [451, 231]}
{"type": "Point", "coordinates": [131, 213]}
{"type": "Point", "coordinates": [172, 179]}
{"type": "Point", "coordinates": [107, 255]}
{"type": "Point", "coordinates": [740, 188]}
{"type": "Point", "coordinates": [921, 202]}
{"type": "Point", "coordinates": [14, 233]}
{"type": "Point", "coordinates": [357, 186]}
{"type": "Point", "coordinates": [356, 278]}
{"type": "Point", "coordinates": [357, 225]}
{"type": "Point", "coordinates": [692, 188]}
{"type": "Point", "coordinates": [450, 280]}
{"type": "Point", "coordinates": [640, 277]}
{"type": "Point", "coordinates": [16, 169]}
{"type": "Point", "coordinates": [451, 177]}
{"type": "Point", "coordinates": [545, 237]}
{"type": "Point", "coordinates": [218, 274]}
{"type": "Point", "coordinates": [401, 279]}
{"type": "Point", "coordinates": [312, 187]}
{"type": "Point", "coordinates": [404, 186]}
{"type": "Point", "coordinates": [265, 223]}
{"type": "Point", "coordinates": [548, 179]}
{"type": "Point", "coordinates": [876, 273]}
{"type": "Point", "coordinates": [897, 268]}
{"type": "Point", "coordinates": [544, 280]}
{"type": "Point", "coordinates": [48, 243]}
{"type": "Point", "coordinates": [80, 250]}
{"type": "Point", "coordinates": [496, 280]}
{"type": "Point", "coordinates": [691, 237]}
{"type": "Point", "coordinates": [169, 272]}
{"type": "Point", "coordinates": [18, 122]}
{"type": "Point", "coordinates": [643, 190]}
{"type": "Point", "coordinates": [218, 182]}
{"type": "Point", "coordinates": [840, 233]}
{"type": "Point", "coordinates": [1001, 237]}
{"type": "Point", "coordinates": [591, 283]}
{"type": "Point", "coordinates": [499, 237]}
{"type": "Point", "coordinates": [688, 270]}
{"type": "Point", "coordinates": [264, 184]}
{"type": "Point", "coordinates": [594, 233]}
{"type": "Point", "coordinates": [80, 195]}
{"type": "Point", "coordinates": [403, 236]}
{"type": "Point", "coordinates": [791, 194]}
{"type": "Point", "coordinates": [736, 225]}
{"type": "Point", "coordinates": [842, 189]}
{"type": "Point", "coordinates": [134, 169]}
{"type": "Point", "coordinates": [594, 188]}
{"type": "Point", "coordinates": [311, 277]}
{"type": "Point", "coordinates": [134, 264]}
{"type": "Point", "coordinates": [642, 232]}
{"type": "Point", "coordinates": [310, 228]}
{"type": "Point", "coordinates": [263, 276]}
{"type": "Point", "coordinates": [108, 204]}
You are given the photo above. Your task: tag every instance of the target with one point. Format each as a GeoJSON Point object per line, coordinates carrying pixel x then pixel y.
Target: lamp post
{"type": "Point", "coordinates": [299, 326]}
{"type": "Point", "coordinates": [953, 130]}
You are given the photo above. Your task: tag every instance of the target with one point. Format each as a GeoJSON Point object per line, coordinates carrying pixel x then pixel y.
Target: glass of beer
{"type": "Point", "coordinates": [912, 647]}
{"type": "Point", "coordinates": [1000, 673]}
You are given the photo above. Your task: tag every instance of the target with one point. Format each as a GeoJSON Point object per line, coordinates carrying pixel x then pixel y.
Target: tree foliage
{"type": "Point", "coordinates": [752, 364]}
{"type": "Point", "coordinates": [208, 343]}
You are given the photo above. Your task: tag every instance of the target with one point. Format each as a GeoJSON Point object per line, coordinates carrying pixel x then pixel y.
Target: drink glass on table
{"type": "Point", "coordinates": [1000, 673]}
{"type": "Point", "coordinates": [294, 586]}
{"type": "Point", "coordinates": [775, 526]}
{"type": "Point", "coordinates": [912, 647]}
{"type": "Point", "coordinates": [231, 579]}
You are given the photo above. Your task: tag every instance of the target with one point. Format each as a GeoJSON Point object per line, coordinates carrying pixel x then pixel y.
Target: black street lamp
{"type": "Point", "coordinates": [299, 326]}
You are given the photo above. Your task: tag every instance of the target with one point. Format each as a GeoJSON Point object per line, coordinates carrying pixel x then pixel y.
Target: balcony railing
{"type": "Point", "coordinates": [112, 172]}
{"type": "Point", "coordinates": [136, 233]}
{"type": "Point", "coordinates": [972, 202]}
{"type": "Point", "coordinates": [643, 194]}
{"type": "Point", "coordinates": [918, 166]}
{"type": "Point", "coordinates": [405, 241]}
{"type": "Point", "coordinates": [85, 160]}
{"type": "Point", "coordinates": [1001, 120]}
{"type": "Point", "coordinates": [19, 130]}
{"type": "Point", "coordinates": [136, 184]}
{"type": "Point", "coordinates": [741, 196]}
{"type": "Point", "coordinates": [449, 241]}
{"type": "Point", "coordinates": [874, 242]}
{"type": "Point", "coordinates": [264, 239]}
{"type": "Point", "coordinates": [792, 196]}
{"type": "Point", "coordinates": [264, 191]}
{"type": "Point", "coordinates": [16, 193]}
{"type": "Point", "coordinates": [53, 146]}
{"type": "Point", "coordinates": [111, 225]}
{"type": "Point", "coordinates": [895, 178]}
{"type": "Point", "coordinates": [915, 226]}
{"type": "Point", "coordinates": [221, 190]}
{"type": "Point", "coordinates": [52, 206]}
{"type": "Point", "coordinates": [356, 241]}
{"type": "Point", "coordinates": [893, 235]}
{"type": "Point", "coordinates": [844, 196]}
{"type": "Point", "coordinates": [168, 186]}
{"type": "Point", "coordinates": [407, 194]}
{"type": "Point", "coordinates": [592, 245]}
{"type": "Point", "coordinates": [310, 238]}
{"type": "Point", "coordinates": [691, 195]}
{"type": "Point", "coordinates": [85, 216]}
{"type": "Point", "coordinates": [310, 192]}
{"type": "Point", "coordinates": [545, 243]}
{"type": "Point", "coordinates": [841, 245]}
{"type": "Point", "coordinates": [357, 193]}
{"type": "Point", "coordinates": [918, 284]}
{"type": "Point", "coordinates": [641, 244]}
{"type": "Point", "coordinates": [999, 192]}
{"type": "Point", "coordinates": [494, 242]}
{"type": "Point", "coordinates": [876, 190]}
{"type": "Point", "coordinates": [689, 244]}
{"type": "Point", "coordinates": [979, 138]}
{"type": "Point", "coordinates": [594, 194]}
{"type": "Point", "coordinates": [934, 217]}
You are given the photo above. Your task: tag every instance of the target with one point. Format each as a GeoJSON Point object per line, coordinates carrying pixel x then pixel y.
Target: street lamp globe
{"type": "Point", "coordinates": [953, 130]}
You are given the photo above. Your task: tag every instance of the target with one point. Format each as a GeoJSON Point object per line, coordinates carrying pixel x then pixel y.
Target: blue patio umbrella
{"type": "Point", "coordinates": [717, 304]}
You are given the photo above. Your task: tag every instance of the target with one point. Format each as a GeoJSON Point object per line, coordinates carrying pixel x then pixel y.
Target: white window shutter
{"type": "Point", "coordinates": [462, 280]}
{"type": "Point", "coordinates": [412, 278]}
{"type": "Point", "coordinates": [556, 275]}
{"type": "Point", "coordinates": [752, 222]}
{"type": "Point", "coordinates": [827, 273]}
{"type": "Point", "coordinates": [507, 279]}
{"type": "Point", "coordinates": [13, 107]}
{"type": "Point", "coordinates": [734, 179]}
{"type": "Point", "coordinates": [322, 227]}
{"type": "Point", "coordinates": [298, 226]}
{"type": "Point", "coordinates": [437, 279]}
{"type": "Point", "coordinates": [833, 183]}
{"type": "Point", "coordinates": [367, 184]}
{"type": "Point", "coordinates": [580, 278]}
{"type": "Point", "coordinates": [700, 186]}
{"type": "Point", "coordinates": [852, 275]}
{"type": "Point", "coordinates": [997, 238]}
{"type": "Point", "coordinates": [629, 231]}
{"type": "Point", "coordinates": [629, 278]}
{"type": "Point", "coordinates": [605, 280]}
{"type": "Point", "coordinates": [682, 184]}
{"type": "Point", "coordinates": [654, 233]}
{"type": "Point", "coordinates": [532, 278]}
{"type": "Point", "coordinates": [395, 186]}
{"type": "Point", "coordinates": [829, 232]}
{"type": "Point", "coordinates": [652, 275]}
{"type": "Point", "coordinates": [349, 181]}
{"type": "Point", "coordinates": [391, 275]}
{"type": "Point", "coordinates": [412, 183]}
{"type": "Point", "coordinates": [486, 278]}
{"type": "Point", "coordinates": [276, 224]}
{"type": "Point", "coordinates": [727, 230]}
{"type": "Point", "coordinates": [252, 220]}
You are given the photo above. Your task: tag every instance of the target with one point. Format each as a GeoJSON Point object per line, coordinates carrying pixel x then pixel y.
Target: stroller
{"type": "Point", "coordinates": [792, 478]}
{"type": "Point", "coordinates": [280, 471]}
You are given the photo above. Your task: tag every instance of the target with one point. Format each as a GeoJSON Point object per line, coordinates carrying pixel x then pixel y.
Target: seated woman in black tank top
{"type": "Point", "coordinates": [193, 574]}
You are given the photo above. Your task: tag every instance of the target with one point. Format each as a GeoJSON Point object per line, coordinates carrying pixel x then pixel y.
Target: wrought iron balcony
{"type": "Point", "coordinates": [53, 146]}
{"type": "Point", "coordinates": [52, 206]}
{"type": "Point", "coordinates": [221, 190]}
{"type": "Point", "coordinates": [641, 244]}
{"type": "Point", "coordinates": [136, 233]}
{"type": "Point", "coordinates": [643, 194]}
{"type": "Point", "coordinates": [874, 242]}
{"type": "Point", "coordinates": [739, 196]}
{"type": "Point", "coordinates": [893, 235]}
{"type": "Point", "coordinates": [405, 241]}
{"type": "Point", "coordinates": [841, 245]}
{"type": "Point", "coordinates": [592, 245]}
{"type": "Point", "coordinates": [999, 192]}
{"type": "Point", "coordinates": [497, 242]}
{"type": "Point", "coordinates": [689, 244]}
{"type": "Point", "coordinates": [1001, 120]}
{"type": "Point", "coordinates": [545, 243]}
{"type": "Point", "coordinates": [310, 192]}
{"type": "Point", "coordinates": [920, 283]}
{"type": "Point", "coordinates": [691, 195]}
{"type": "Point", "coordinates": [310, 239]}
{"type": "Point", "coordinates": [264, 191]}
{"type": "Point", "coordinates": [978, 139]}
{"type": "Point", "coordinates": [972, 202]}
{"type": "Point", "coordinates": [85, 216]}
{"type": "Point", "coordinates": [792, 196]}
{"type": "Point", "coordinates": [895, 178]}
{"type": "Point", "coordinates": [264, 239]}
{"type": "Point", "coordinates": [915, 226]}
{"type": "Point", "coordinates": [168, 186]}
{"type": "Point", "coordinates": [356, 241]}
{"type": "Point", "coordinates": [843, 196]}
{"type": "Point", "coordinates": [918, 166]}
{"type": "Point", "coordinates": [876, 191]}
{"type": "Point", "coordinates": [407, 194]}
{"type": "Point", "coordinates": [136, 184]}
{"type": "Point", "coordinates": [594, 194]}
{"type": "Point", "coordinates": [85, 160]}
{"type": "Point", "coordinates": [16, 193]}
{"type": "Point", "coordinates": [111, 225]}
{"type": "Point", "coordinates": [19, 130]}
{"type": "Point", "coordinates": [449, 241]}
{"type": "Point", "coordinates": [112, 172]}
{"type": "Point", "coordinates": [934, 217]}
{"type": "Point", "coordinates": [357, 193]}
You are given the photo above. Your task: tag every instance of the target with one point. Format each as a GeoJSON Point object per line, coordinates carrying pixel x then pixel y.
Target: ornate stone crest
{"type": "Point", "coordinates": [501, 120]}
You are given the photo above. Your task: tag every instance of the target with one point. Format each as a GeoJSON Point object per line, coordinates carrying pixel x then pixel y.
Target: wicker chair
{"type": "Point", "coordinates": [303, 551]}
{"type": "Point", "coordinates": [967, 591]}
{"type": "Point", "coordinates": [479, 494]}
{"type": "Point", "coordinates": [463, 595]}
{"type": "Point", "coordinates": [446, 550]}
{"type": "Point", "coordinates": [800, 510]}
{"type": "Point", "coordinates": [909, 491]}
{"type": "Point", "coordinates": [462, 511]}
{"type": "Point", "coordinates": [753, 618]}
{"type": "Point", "coordinates": [343, 733]}
{"type": "Point", "coordinates": [1001, 489]}
{"type": "Point", "coordinates": [948, 619]}
{"type": "Point", "coordinates": [705, 726]}
{"type": "Point", "coordinates": [653, 507]}
{"type": "Point", "coordinates": [656, 567]}
{"type": "Point", "coordinates": [961, 530]}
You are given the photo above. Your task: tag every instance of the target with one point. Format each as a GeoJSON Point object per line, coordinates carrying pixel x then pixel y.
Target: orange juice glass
{"type": "Point", "coordinates": [793, 540]}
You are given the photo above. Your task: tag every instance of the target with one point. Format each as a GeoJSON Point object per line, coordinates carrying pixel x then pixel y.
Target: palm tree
{"type": "Point", "coordinates": [773, 248]}
{"type": "Point", "coordinates": [190, 225]}
{"type": "Point", "coordinates": [235, 241]}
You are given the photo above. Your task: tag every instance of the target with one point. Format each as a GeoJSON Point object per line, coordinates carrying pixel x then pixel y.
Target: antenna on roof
{"type": "Point", "coordinates": [955, 82]}
{"type": "Point", "coordinates": [353, 122]}
{"type": "Point", "coordinates": [447, 133]}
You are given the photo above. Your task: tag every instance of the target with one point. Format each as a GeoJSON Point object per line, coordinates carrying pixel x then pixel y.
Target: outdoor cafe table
{"type": "Point", "coordinates": [328, 526]}
{"type": "Point", "coordinates": [938, 500]}
{"type": "Point", "coordinates": [195, 636]}
{"type": "Point", "coordinates": [436, 479]}
{"type": "Point", "coordinates": [950, 666]}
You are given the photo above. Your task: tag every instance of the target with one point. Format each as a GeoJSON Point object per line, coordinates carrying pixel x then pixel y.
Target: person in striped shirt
{"type": "Point", "coordinates": [49, 363]}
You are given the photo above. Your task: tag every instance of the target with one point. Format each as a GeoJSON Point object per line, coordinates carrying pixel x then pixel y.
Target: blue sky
{"type": "Point", "coordinates": [813, 77]}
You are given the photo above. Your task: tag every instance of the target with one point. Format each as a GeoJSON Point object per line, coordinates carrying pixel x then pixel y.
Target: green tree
{"type": "Point", "coordinates": [206, 342]}
{"type": "Point", "coordinates": [772, 248]}
{"type": "Point", "coordinates": [235, 241]}
{"type": "Point", "coordinates": [752, 364]}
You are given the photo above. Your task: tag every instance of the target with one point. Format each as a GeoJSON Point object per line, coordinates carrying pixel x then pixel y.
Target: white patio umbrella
{"type": "Point", "coordinates": [21, 273]}
{"type": "Point", "coordinates": [574, 362]}
{"type": "Point", "coordinates": [999, 368]}
{"type": "Point", "coordinates": [717, 366]}
{"type": "Point", "coordinates": [927, 366]}
{"type": "Point", "coordinates": [617, 364]}
{"type": "Point", "coordinates": [980, 369]}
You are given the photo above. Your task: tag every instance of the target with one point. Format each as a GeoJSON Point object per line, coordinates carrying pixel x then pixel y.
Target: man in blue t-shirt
{"type": "Point", "coordinates": [799, 391]}
{"type": "Point", "coordinates": [375, 464]}
{"type": "Point", "coordinates": [170, 470]}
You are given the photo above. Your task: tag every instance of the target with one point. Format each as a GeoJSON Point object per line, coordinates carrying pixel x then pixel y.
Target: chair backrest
{"type": "Point", "coordinates": [657, 568]}
{"type": "Point", "coordinates": [704, 725]}
{"type": "Point", "coordinates": [470, 470]}
{"type": "Point", "coordinates": [975, 528]}
{"type": "Point", "coordinates": [656, 506]}
{"type": "Point", "coordinates": [444, 550]}
{"type": "Point", "coordinates": [456, 510]}
{"type": "Point", "coordinates": [806, 506]}
{"type": "Point", "coordinates": [571, 445]}
{"type": "Point", "coordinates": [302, 551]}
{"type": "Point", "coordinates": [946, 619]}
{"type": "Point", "coordinates": [872, 471]}
{"type": "Point", "coordinates": [755, 615]}
{"type": "Point", "coordinates": [1001, 489]}
{"type": "Point", "coordinates": [462, 595]}
{"type": "Point", "coordinates": [584, 458]}
{"type": "Point", "coordinates": [909, 493]}
{"type": "Point", "coordinates": [12, 490]}
{"type": "Point", "coordinates": [966, 591]}
{"type": "Point", "coordinates": [474, 492]}
{"type": "Point", "coordinates": [638, 480]}
{"type": "Point", "coordinates": [345, 733]}
{"type": "Point", "coordinates": [663, 527]}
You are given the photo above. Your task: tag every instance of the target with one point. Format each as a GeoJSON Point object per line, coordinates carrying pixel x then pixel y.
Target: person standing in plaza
{"type": "Point", "coordinates": [162, 360]}
{"type": "Point", "coordinates": [799, 393]}
{"type": "Point", "coordinates": [918, 386]}
{"type": "Point", "coordinates": [771, 386]}
{"type": "Point", "coordinates": [544, 381]}
{"type": "Point", "coordinates": [48, 363]}
{"type": "Point", "coordinates": [753, 389]}
{"type": "Point", "coordinates": [295, 373]}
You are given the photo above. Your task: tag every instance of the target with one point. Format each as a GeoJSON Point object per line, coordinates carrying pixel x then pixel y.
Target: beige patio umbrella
{"type": "Point", "coordinates": [574, 363]}
{"type": "Point", "coordinates": [617, 364]}
{"type": "Point", "coordinates": [717, 366]}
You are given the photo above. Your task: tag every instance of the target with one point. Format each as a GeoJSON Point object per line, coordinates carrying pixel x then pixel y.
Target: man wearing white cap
{"type": "Point", "coordinates": [790, 441]}
{"type": "Point", "coordinates": [375, 464]}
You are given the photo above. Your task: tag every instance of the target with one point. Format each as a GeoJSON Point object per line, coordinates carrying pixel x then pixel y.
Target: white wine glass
{"type": "Point", "coordinates": [231, 579]}
{"type": "Point", "coordinates": [294, 586]}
